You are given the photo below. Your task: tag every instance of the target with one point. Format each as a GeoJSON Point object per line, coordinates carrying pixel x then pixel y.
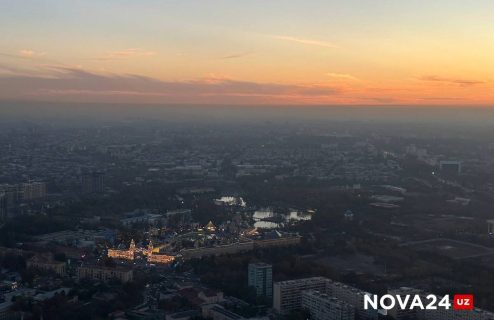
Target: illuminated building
{"type": "Point", "coordinates": [157, 258]}
{"type": "Point", "coordinates": [210, 227]}
{"type": "Point", "coordinates": [123, 254]}
{"type": "Point", "coordinates": [152, 257]}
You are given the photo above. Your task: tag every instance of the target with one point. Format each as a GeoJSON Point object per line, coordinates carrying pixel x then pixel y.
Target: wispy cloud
{"type": "Point", "coordinates": [28, 53]}
{"type": "Point", "coordinates": [342, 76]}
{"type": "Point", "coordinates": [459, 82]}
{"type": "Point", "coordinates": [75, 84]}
{"type": "Point", "coordinates": [310, 42]}
{"type": "Point", "coordinates": [235, 55]}
{"type": "Point", "coordinates": [126, 54]}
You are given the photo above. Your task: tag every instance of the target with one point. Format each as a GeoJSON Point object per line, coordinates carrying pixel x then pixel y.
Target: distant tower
{"type": "Point", "coordinates": [150, 248]}
{"type": "Point", "coordinates": [132, 247]}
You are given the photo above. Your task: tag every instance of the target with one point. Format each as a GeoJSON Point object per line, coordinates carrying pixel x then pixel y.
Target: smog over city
{"type": "Point", "coordinates": [234, 160]}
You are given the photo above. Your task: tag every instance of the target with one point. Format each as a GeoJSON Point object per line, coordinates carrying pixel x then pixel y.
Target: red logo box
{"type": "Point", "coordinates": [463, 302]}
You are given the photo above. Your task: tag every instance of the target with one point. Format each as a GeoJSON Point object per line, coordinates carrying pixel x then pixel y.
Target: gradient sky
{"type": "Point", "coordinates": [366, 52]}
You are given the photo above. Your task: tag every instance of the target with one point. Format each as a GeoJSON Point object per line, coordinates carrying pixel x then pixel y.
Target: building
{"type": "Point", "coordinates": [490, 227]}
{"type": "Point", "coordinates": [99, 273]}
{"type": "Point", "coordinates": [157, 258]}
{"type": "Point", "coordinates": [11, 194]}
{"type": "Point", "coordinates": [46, 263]}
{"type": "Point", "coordinates": [92, 182]}
{"type": "Point", "coordinates": [232, 248]}
{"type": "Point", "coordinates": [261, 278]}
{"type": "Point", "coordinates": [287, 295]}
{"type": "Point", "coordinates": [278, 240]}
{"type": "Point", "coordinates": [3, 206]}
{"type": "Point", "coordinates": [324, 307]}
{"type": "Point", "coordinates": [449, 167]}
{"type": "Point", "coordinates": [183, 315]}
{"type": "Point", "coordinates": [32, 190]}
{"type": "Point", "coordinates": [210, 227]}
{"type": "Point", "coordinates": [352, 296]}
{"type": "Point", "coordinates": [123, 254]}
{"type": "Point", "coordinates": [142, 217]}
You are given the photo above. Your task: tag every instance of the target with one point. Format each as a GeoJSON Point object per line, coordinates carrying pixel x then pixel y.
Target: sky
{"type": "Point", "coordinates": [323, 52]}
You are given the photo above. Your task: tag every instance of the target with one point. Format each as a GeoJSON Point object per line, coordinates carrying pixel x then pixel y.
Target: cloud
{"type": "Point", "coordinates": [235, 55]}
{"type": "Point", "coordinates": [310, 42]}
{"type": "Point", "coordinates": [28, 53]}
{"type": "Point", "coordinates": [460, 82]}
{"type": "Point", "coordinates": [76, 84]}
{"type": "Point", "coordinates": [127, 53]}
{"type": "Point", "coordinates": [342, 76]}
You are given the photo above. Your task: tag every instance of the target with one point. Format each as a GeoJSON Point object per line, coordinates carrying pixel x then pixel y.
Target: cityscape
{"type": "Point", "coordinates": [247, 160]}
{"type": "Point", "coordinates": [153, 219]}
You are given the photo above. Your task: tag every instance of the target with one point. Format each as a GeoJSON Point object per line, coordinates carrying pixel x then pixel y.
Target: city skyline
{"type": "Point", "coordinates": [223, 52]}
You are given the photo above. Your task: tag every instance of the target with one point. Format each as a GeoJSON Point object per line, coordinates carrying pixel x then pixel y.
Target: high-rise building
{"type": "Point", "coordinates": [92, 182]}
{"type": "Point", "coordinates": [12, 194]}
{"type": "Point", "coordinates": [32, 190]}
{"type": "Point", "coordinates": [3, 206]}
{"type": "Point", "coordinates": [261, 278]}
{"type": "Point", "coordinates": [287, 295]}
{"type": "Point", "coordinates": [324, 307]}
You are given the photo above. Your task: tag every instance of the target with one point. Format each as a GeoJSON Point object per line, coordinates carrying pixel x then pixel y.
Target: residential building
{"type": "Point", "coordinates": [352, 296]}
{"type": "Point", "coordinates": [105, 273]}
{"type": "Point", "coordinates": [46, 263]}
{"type": "Point", "coordinates": [261, 277]}
{"type": "Point", "coordinates": [324, 307]}
{"type": "Point", "coordinates": [287, 295]}
{"type": "Point", "coordinates": [92, 182]}
{"type": "Point", "coordinates": [32, 190]}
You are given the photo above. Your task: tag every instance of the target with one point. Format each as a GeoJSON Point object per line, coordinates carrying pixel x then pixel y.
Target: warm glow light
{"type": "Point", "coordinates": [252, 52]}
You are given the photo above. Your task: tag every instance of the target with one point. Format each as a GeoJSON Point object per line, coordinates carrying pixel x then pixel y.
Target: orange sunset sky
{"type": "Point", "coordinates": [379, 52]}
